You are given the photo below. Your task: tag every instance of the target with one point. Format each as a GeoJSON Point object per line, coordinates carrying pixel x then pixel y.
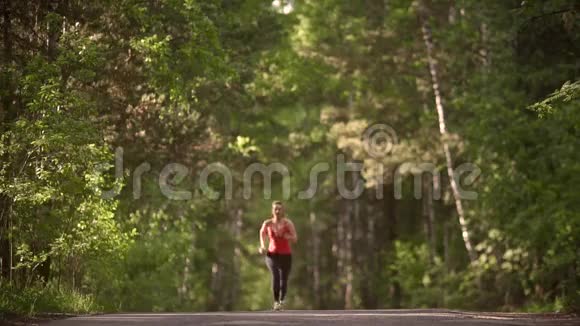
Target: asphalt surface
{"type": "Point", "coordinates": [322, 318]}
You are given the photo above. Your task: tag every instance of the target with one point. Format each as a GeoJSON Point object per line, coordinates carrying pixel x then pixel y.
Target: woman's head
{"type": "Point", "coordinates": [277, 209]}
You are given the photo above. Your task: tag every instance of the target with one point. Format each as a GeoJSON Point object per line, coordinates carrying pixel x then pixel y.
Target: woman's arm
{"type": "Point", "coordinates": [292, 235]}
{"type": "Point", "coordinates": [263, 236]}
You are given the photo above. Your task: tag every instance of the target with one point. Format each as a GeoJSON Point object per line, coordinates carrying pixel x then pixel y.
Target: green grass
{"type": "Point", "coordinates": [44, 299]}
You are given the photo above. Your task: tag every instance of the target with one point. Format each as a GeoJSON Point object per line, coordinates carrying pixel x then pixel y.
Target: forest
{"type": "Point", "coordinates": [427, 152]}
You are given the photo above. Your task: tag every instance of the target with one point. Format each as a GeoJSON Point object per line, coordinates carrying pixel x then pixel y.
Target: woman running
{"type": "Point", "coordinates": [280, 231]}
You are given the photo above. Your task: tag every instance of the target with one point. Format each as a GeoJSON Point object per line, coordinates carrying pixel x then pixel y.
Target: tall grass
{"type": "Point", "coordinates": [41, 298]}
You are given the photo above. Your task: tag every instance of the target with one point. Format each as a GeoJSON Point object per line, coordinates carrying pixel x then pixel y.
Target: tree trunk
{"type": "Point", "coordinates": [216, 282]}
{"type": "Point", "coordinates": [435, 82]}
{"type": "Point", "coordinates": [184, 289]}
{"type": "Point", "coordinates": [351, 222]}
{"type": "Point", "coordinates": [7, 114]}
{"type": "Point", "coordinates": [339, 239]}
{"type": "Point", "coordinates": [484, 47]}
{"type": "Point", "coordinates": [446, 245]}
{"type": "Point", "coordinates": [446, 254]}
{"type": "Point", "coordinates": [343, 240]}
{"type": "Point", "coordinates": [390, 211]}
{"type": "Point", "coordinates": [368, 295]}
{"type": "Point", "coordinates": [51, 30]}
{"type": "Point", "coordinates": [315, 260]}
{"type": "Point", "coordinates": [348, 274]}
{"type": "Point", "coordinates": [429, 216]}
{"type": "Point", "coordinates": [237, 224]}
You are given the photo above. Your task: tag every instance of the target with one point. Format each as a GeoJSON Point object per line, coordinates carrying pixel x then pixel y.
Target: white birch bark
{"type": "Point", "coordinates": [436, 83]}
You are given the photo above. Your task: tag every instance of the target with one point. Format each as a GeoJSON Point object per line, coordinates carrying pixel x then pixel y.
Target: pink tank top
{"type": "Point", "coordinates": [278, 244]}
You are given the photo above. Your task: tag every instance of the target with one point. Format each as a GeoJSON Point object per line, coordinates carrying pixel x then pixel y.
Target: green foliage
{"type": "Point", "coordinates": [240, 82]}
{"type": "Point", "coordinates": [568, 93]}
{"type": "Point", "coordinates": [39, 298]}
{"type": "Point", "coordinates": [418, 276]}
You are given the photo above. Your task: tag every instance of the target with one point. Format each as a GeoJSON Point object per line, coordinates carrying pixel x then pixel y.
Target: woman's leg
{"type": "Point", "coordinates": [274, 268]}
{"type": "Point", "coordinates": [285, 266]}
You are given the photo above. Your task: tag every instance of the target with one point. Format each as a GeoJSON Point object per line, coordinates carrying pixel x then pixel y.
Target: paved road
{"type": "Point", "coordinates": [322, 318]}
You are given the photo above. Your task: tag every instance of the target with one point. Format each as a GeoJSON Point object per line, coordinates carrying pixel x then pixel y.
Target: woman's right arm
{"type": "Point", "coordinates": [263, 234]}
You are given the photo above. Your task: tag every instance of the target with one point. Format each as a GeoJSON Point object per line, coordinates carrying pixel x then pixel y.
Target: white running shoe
{"type": "Point", "coordinates": [281, 305]}
{"type": "Point", "coordinates": [277, 306]}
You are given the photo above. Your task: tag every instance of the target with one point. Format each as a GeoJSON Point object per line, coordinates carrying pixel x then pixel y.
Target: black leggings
{"type": "Point", "coordinates": [279, 265]}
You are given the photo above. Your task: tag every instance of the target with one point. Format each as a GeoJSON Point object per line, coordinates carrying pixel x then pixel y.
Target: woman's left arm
{"type": "Point", "coordinates": [292, 235]}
